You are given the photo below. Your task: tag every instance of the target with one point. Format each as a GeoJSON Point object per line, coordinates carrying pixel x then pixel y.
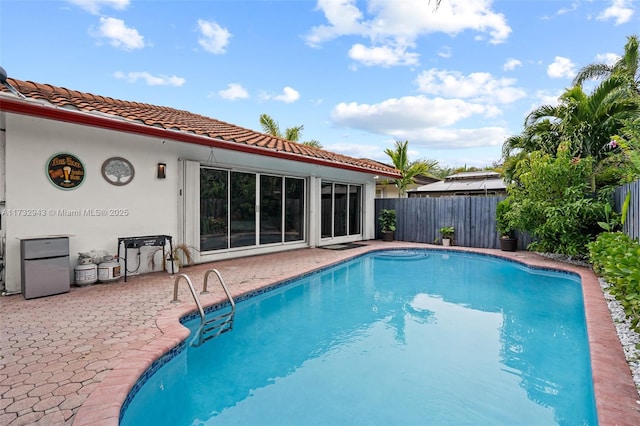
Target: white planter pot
{"type": "Point", "coordinates": [168, 264]}
{"type": "Point", "coordinates": [157, 263]}
{"type": "Point", "coordinates": [446, 242]}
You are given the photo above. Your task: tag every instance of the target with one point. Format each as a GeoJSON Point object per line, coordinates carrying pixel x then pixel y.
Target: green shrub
{"type": "Point", "coordinates": [616, 258]}
{"type": "Point", "coordinates": [387, 220]}
{"type": "Point", "coordinates": [553, 201]}
{"type": "Point", "coordinates": [503, 220]}
{"type": "Point", "coordinates": [447, 231]}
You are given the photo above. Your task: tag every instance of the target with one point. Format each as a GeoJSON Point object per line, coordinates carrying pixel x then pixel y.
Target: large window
{"type": "Point", "coordinates": [243, 209]}
{"type": "Point", "coordinates": [214, 205]}
{"type": "Point", "coordinates": [341, 210]}
{"type": "Point", "coordinates": [326, 210]}
{"type": "Point", "coordinates": [355, 209]}
{"type": "Point", "coordinates": [270, 209]}
{"type": "Point", "coordinates": [239, 209]}
{"type": "Point", "coordinates": [294, 210]}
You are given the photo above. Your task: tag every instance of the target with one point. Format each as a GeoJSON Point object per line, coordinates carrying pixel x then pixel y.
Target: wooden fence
{"type": "Point", "coordinates": [474, 218]}
{"type": "Point", "coordinates": [632, 223]}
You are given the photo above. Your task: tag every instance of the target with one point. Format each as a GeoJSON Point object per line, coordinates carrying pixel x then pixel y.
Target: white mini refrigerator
{"type": "Point", "coordinates": [45, 266]}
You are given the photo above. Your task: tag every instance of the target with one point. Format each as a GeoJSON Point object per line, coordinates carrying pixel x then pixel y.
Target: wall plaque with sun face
{"type": "Point", "coordinates": [65, 171]}
{"type": "Point", "coordinates": [118, 171]}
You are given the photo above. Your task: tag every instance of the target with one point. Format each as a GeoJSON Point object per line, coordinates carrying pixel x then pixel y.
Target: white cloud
{"type": "Point", "coordinates": [358, 150]}
{"type": "Point", "coordinates": [119, 35]}
{"type": "Point", "coordinates": [94, 6]}
{"type": "Point", "coordinates": [445, 52]}
{"type": "Point", "coordinates": [288, 95]}
{"type": "Point", "coordinates": [407, 114]}
{"type": "Point", "coordinates": [572, 8]}
{"type": "Point", "coordinates": [382, 55]}
{"type": "Point", "coordinates": [455, 138]}
{"type": "Point", "coordinates": [397, 24]}
{"type": "Point", "coordinates": [214, 38]}
{"type": "Point", "coordinates": [478, 86]}
{"type": "Point", "coordinates": [561, 68]}
{"type": "Point", "coordinates": [620, 11]}
{"type": "Point", "coordinates": [511, 64]}
{"type": "Point", "coordinates": [544, 97]}
{"type": "Point", "coordinates": [343, 17]}
{"type": "Point", "coordinates": [151, 80]}
{"type": "Point", "coordinates": [234, 91]}
{"type": "Point", "coordinates": [607, 58]}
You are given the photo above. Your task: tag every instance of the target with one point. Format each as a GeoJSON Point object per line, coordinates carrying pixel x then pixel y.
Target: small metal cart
{"type": "Point", "coordinates": [145, 241]}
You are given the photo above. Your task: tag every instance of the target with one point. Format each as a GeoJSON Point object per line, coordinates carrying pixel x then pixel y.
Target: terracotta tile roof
{"type": "Point", "coordinates": [185, 122]}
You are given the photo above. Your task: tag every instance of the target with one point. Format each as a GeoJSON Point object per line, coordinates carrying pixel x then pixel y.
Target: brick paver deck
{"type": "Point", "coordinates": [72, 358]}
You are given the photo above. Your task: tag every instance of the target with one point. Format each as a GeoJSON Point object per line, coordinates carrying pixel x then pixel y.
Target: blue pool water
{"type": "Point", "coordinates": [389, 338]}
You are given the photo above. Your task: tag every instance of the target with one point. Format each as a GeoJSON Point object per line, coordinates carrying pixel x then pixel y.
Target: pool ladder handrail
{"type": "Point", "coordinates": [209, 328]}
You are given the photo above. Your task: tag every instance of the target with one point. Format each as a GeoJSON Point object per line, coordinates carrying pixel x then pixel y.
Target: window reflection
{"type": "Point", "coordinates": [294, 210]}
{"type": "Point", "coordinates": [355, 209]}
{"type": "Point", "coordinates": [228, 209]}
{"type": "Point", "coordinates": [242, 208]}
{"type": "Point", "coordinates": [270, 209]}
{"type": "Point", "coordinates": [213, 209]}
{"type": "Point", "coordinates": [341, 209]}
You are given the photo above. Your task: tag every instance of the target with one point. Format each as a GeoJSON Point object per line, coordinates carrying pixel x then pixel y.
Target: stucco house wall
{"type": "Point", "coordinates": [97, 213]}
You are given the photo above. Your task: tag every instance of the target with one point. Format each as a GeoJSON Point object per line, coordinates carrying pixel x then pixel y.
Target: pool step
{"type": "Point", "coordinates": [215, 327]}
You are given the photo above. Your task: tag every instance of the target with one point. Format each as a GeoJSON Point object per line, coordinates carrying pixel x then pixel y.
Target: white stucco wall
{"type": "Point", "coordinates": [143, 207]}
{"type": "Point", "coordinates": [146, 206]}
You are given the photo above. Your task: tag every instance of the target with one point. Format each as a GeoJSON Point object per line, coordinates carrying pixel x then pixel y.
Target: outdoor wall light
{"type": "Point", "coordinates": [162, 170]}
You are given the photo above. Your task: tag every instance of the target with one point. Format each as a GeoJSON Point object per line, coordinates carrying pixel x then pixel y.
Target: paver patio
{"type": "Point", "coordinates": [72, 358]}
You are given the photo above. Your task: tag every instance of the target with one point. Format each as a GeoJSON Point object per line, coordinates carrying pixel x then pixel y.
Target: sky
{"type": "Point", "coordinates": [454, 81]}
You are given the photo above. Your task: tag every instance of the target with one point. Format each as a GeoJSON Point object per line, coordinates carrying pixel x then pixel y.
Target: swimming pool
{"type": "Point", "coordinates": [396, 337]}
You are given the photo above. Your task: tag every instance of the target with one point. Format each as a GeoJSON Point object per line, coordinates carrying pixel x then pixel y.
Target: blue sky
{"type": "Point", "coordinates": [358, 75]}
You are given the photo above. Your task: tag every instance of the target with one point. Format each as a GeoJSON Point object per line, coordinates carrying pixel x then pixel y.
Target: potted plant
{"type": "Point", "coordinates": [504, 226]}
{"type": "Point", "coordinates": [181, 255]}
{"type": "Point", "coordinates": [387, 221]}
{"type": "Point", "coordinates": [447, 235]}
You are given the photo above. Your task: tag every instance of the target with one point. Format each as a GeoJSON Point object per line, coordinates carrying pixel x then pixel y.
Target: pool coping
{"type": "Point", "coordinates": [615, 393]}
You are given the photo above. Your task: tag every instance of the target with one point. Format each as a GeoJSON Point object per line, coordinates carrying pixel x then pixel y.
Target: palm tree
{"type": "Point", "coordinates": [313, 143]}
{"type": "Point", "coordinates": [587, 122]}
{"type": "Point", "coordinates": [539, 136]}
{"type": "Point", "coordinates": [628, 67]}
{"type": "Point", "coordinates": [441, 172]}
{"type": "Point", "coordinates": [293, 134]}
{"type": "Point", "coordinates": [408, 170]}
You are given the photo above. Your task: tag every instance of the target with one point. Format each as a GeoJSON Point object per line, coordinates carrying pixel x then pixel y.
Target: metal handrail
{"type": "Point", "coordinates": [193, 293]}
{"type": "Point", "coordinates": [224, 287]}
{"type": "Point", "coordinates": [206, 326]}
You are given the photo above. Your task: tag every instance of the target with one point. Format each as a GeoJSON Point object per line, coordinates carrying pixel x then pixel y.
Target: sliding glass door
{"type": "Point", "coordinates": [270, 209]}
{"type": "Point", "coordinates": [294, 209]}
{"type": "Point", "coordinates": [341, 209]}
{"type": "Point", "coordinates": [240, 209]}
{"type": "Point", "coordinates": [214, 209]}
{"type": "Point", "coordinates": [355, 209]}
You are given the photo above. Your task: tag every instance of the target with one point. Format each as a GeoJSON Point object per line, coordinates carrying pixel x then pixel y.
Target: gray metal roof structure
{"type": "Point", "coordinates": [466, 183]}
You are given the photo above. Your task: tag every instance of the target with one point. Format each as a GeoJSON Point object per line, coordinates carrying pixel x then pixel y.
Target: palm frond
{"type": "Point", "coordinates": [270, 126]}
{"type": "Point", "coordinates": [313, 144]}
{"type": "Point", "coordinates": [293, 133]}
{"type": "Point", "coordinates": [592, 72]}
